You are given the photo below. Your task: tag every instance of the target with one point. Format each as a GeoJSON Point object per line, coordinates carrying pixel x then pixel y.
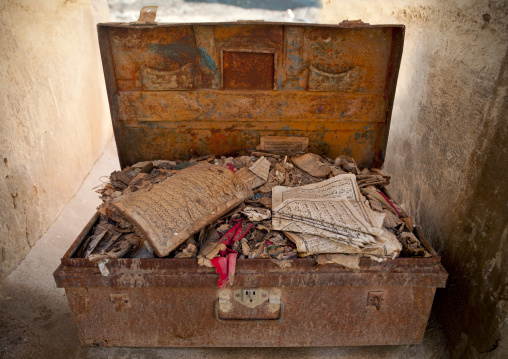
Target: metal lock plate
{"type": "Point", "coordinates": [251, 298]}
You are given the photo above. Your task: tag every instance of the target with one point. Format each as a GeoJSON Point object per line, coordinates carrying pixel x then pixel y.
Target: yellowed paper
{"type": "Point", "coordinates": [180, 206]}
{"type": "Point", "coordinates": [333, 218]}
{"type": "Point", "coordinates": [312, 244]}
{"type": "Point", "coordinates": [329, 214]}
{"type": "Point", "coordinates": [340, 186]}
{"type": "Point", "coordinates": [261, 168]}
{"type": "Point", "coordinates": [350, 262]}
{"type": "Point", "coordinates": [250, 178]}
{"type": "Point", "coordinates": [286, 145]}
{"type": "Point", "coordinates": [312, 164]}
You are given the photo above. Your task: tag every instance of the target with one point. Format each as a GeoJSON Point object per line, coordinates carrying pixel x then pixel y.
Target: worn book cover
{"type": "Point", "coordinates": [175, 209]}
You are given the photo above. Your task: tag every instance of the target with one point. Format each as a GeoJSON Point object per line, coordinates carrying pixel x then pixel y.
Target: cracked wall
{"type": "Point", "coordinates": [54, 114]}
{"type": "Point", "coordinates": [447, 152]}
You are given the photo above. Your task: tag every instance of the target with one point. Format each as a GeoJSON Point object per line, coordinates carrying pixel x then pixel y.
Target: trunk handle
{"type": "Point", "coordinates": [253, 321]}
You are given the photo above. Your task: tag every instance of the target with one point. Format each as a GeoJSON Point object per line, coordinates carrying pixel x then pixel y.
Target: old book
{"type": "Point", "coordinates": [327, 212]}
{"type": "Point", "coordinates": [286, 145]}
{"type": "Point", "coordinates": [250, 178]}
{"type": "Point", "coordinates": [180, 206]}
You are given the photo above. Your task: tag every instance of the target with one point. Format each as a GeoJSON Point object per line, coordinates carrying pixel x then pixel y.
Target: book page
{"type": "Point", "coordinates": [261, 168]}
{"type": "Point", "coordinates": [309, 243]}
{"type": "Point", "coordinates": [334, 218]}
{"type": "Point", "coordinates": [341, 186]}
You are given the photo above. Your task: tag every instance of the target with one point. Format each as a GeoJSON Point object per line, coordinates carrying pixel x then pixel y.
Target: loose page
{"type": "Point", "coordinates": [334, 218]}
{"type": "Point", "coordinates": [180, 206]}
{"type": "Point", "coordinates": [341, 186]}
{"type": "Point", "coordinates": [251, 179]}
{"type": "Point", "coordinates": [325, 216]}
{"type": "Point", "coordinates": [261, 168]}
{"type": "Point", "coordinates": [312, 164]}
{"type": "Point", "coordinates": [309, 243]}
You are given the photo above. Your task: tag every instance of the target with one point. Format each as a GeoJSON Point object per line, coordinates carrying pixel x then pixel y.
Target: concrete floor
{"type": "Point", "coordinates": [35, 320]}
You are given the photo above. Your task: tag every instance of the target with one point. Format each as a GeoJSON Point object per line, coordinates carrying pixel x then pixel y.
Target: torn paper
{"type": "Point", "coordinates": [257, 214]}
{"type": "Point", "coordinates": [103, 268]}
{"type": "Point", "coordinates": [349, 262]}
{"type": "Point", "coordinates": [341, 186]}
{"type": "Point", "coordinates": [251, 179]}
{"type": "Point", "coordinates": [261, 168]}
{"type": "Point", "coordinates": [334, 218]}
{"type": "Point", "coordinates": [312, 244]}
{"type": "Point", "coordinates": [312, 164]}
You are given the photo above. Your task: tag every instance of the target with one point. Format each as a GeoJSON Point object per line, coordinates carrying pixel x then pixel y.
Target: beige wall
{"type": "Point", "coordinates": [53, 111]}
{"type": "Point", "coordinates": [447, 151]}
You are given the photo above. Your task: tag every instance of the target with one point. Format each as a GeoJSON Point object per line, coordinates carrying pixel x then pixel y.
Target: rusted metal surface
{"type": "Point", "coordinates": [313, 316]}
{"type": "Point", "coordinates": [147, 14]}
{"type": "Point", "coordinates": [178, 91]}
{"type": "Point", "coordinates": [175, 302]}
{"type": "Point", "coordinates": [248, 70]}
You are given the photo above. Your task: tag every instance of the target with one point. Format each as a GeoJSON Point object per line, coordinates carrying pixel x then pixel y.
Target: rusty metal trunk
{"type": "Point", "coordinates": [176, 303]}
{"type": "Point", "coordinates": [178, 91]}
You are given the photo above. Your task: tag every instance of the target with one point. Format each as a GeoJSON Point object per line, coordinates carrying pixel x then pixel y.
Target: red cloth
{"type": "Point", "coordinates": [225, 264]}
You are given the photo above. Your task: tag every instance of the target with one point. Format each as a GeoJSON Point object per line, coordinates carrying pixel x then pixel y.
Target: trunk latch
{"type": "Point", "coordinates": [146, 16]}
{"type": "Point", "coordinates": [376, 299]}
{"type": "Point", "coordinates": [251, 297]}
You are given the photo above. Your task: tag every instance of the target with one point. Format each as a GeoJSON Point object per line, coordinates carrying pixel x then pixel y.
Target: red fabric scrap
{"type": "Point", "coordinates": [390, 203]}
{"type": "Point", "coordinates": [221, 267]}
{"type": "Point", "coordinates": [232, 266]}
{"type": "Point", "coordinates": [225, 264]}
{"type": "Point", "coordinates": [229, 236]}
{"type": "Point", "coordinates": [230, 166]}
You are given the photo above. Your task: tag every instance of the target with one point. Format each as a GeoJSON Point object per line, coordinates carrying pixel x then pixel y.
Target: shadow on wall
{"type": "Point", "coordinates": [280, 5]}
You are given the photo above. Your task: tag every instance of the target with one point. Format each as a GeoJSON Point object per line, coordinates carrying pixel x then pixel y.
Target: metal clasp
{"type": "Point", "coordinates": [146, 16]}
{"type": "Point", "coordinates": [375, 299]}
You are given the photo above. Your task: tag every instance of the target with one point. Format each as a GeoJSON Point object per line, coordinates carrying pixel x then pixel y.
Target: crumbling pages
{"type": "Point", "coordinates": [261, 168]}
{"type": "Point", "coordinates": [181, 205]}
{"type": "Point", "coordinates": [311, 244]}
{"type": "Point", "coordinates": [333, 218]}
{"type": "Point", "coordinates": [341, 186]}
{"type": "Point", "coordinates": [322, 217]}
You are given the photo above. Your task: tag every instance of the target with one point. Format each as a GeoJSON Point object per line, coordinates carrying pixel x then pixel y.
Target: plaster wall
{"type": "Point", "coordinates": [447, 151]}
{"type": "Point", "coordinates": [54, 115]}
